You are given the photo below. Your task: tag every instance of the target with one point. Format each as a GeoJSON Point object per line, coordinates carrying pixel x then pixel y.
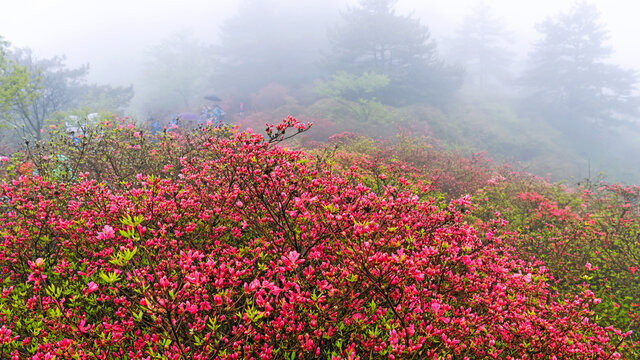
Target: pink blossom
{"type": "Point", "coordinates": [91, 287]}
{"type": "Point", "coordinates": [393, 338]}
{"type": "Point", "coordinates": [228, 276]}
{"type": "Point", "coordinates": [435, 307]}
{"type": "Point", "coordinates": [106, 233]}
{"type": "Point", "coordinates": [82, 327]}
{"type": "Point", "coordinates": [164, 282]}
{"type": "Point", "coordinates": [292, 259]}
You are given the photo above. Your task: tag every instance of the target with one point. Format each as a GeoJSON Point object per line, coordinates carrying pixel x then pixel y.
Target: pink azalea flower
{"type": "Point", "coordinates": [106, 233]}
{"type": "Point", "coordinates": [435, 307]}
{"type": "Point", "coordinates": [292, 259]}
{"type": "Point", "coordinates": [91, 287]}
{"type": "Point", "coordinates": [82, 327]}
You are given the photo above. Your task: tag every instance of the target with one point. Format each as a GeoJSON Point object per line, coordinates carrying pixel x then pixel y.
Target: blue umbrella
{"type": "Point", "coordinates": [212, 98]}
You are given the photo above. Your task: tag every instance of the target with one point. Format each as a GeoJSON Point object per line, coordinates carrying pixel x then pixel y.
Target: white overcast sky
{"type": "Point", "coordinates": [109, 34]}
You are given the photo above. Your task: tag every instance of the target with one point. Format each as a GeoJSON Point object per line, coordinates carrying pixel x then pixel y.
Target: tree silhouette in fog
{"type": "Point", "coordinates": [268, 42]}
{"type": "Point", "coordinates": [568, 80]}
{"type": "Point", "coordinates": [373, 38]}
{"type": "Point", "coordinates": [16, 86]}
{"type": "Point", "coordinates": [481, 45]}
{"type": "Point", "coordinates": [176, 73]}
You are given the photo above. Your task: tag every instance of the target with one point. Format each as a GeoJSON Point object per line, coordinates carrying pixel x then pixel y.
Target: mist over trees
{"type": "Point", "coordinates": [53, 87]}
{"type": "Point", "coordinates": [15, 84]}
{"type": "Point", "coordinates": [397, 211]}
{"type": "Point", "coordinates": [569, 81]}
{"type": "Point", "coordinates": [373, 38]}
{"type": "Point", "coordinates": [175, 75]}
{"type": "Point", "coordinates": [358, 93]}
{"type": "Point", "coordinates": [326, 59]}
{"type": "Point", "coordinates": [269, 42]}
{"type": "Point", "coordinates": [481, 45]}
{"type": "Point", "coordinates": [32, 90]}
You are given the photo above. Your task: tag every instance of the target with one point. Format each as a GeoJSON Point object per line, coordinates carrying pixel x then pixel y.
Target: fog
{"type": "Point", "coordinates": [115, 33]}
{"type": "Point", "coordinates": [619, 16]}
{"type": "Point", "coordinates": [111, 36]}
{"type": "Point", "coordinates": [290, 68]}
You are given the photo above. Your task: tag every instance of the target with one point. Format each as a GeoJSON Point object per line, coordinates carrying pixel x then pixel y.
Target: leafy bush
{"type": "Point", "coordinates": [587, 237]}
{"type": "Point", "coordinates": [226, 245]}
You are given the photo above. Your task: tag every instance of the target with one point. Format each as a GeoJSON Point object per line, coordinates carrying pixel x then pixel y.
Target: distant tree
{"type": "Point", "coordinates": [480, 45]}
{"type": "Point", "coordinates": [58, 88]}
{"type": "Point", "coordinates": [373, 38]}
{"type": "Point", "coordinates": [97, 97]}
{"type": "Point", "coordinates": [568, 79]}
{"type": "Point", "coordinates": [358, 93]}
{"type": "Point", "coordinates": [15, 83]}
{"type": "Point", "coordinates": [269, 42]}
{"type": "Point", "coordinates": [176, 74]}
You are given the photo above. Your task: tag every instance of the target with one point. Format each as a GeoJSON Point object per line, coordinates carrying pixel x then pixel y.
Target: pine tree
{"type": "Point", "coordinates": [374, 39]}
{"type": "Point", "coordinates": [569, 80]}
{"type": "Point", "coordinates": [269, 42]}
{"type": "Point", "coordinates": [480, 45]}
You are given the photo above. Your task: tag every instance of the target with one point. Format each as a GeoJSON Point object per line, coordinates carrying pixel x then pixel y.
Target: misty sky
{"type": "Point", "coordinates": [113, 35]}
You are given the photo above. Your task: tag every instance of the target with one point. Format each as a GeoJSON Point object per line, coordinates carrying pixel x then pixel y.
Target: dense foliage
{"type": "Point", "coordinates": [589, 236]}
{"type": "Point", "coordinates": [223, 244]}
{"type": "Point", "coordinates": [15, 85]}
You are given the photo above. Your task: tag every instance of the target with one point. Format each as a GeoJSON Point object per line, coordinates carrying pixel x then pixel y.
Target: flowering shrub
{"type": "Point", "coordinates": [411, 164]}
{"type": "Point", "coordinates": [115, 151]}
{"type": "Point", "coordinates": [241, 249]}
{"type": "Point", "coordinates": [587, 237]}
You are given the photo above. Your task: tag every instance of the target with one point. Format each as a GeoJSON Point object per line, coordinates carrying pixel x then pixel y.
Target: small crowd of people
{"type": "Point", "coordinates": [215, 114]}
{"type": "Point", "coordinates": [209, 115]}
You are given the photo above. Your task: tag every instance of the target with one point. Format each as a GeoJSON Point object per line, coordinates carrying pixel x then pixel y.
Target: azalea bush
{"type": "Point", "coordinates": [221, 244]}
{"type": "Point", "coordinates": [413, 164]}
{"type": "Point", "coordinates": [586, 236]}
{"type": "Point", "coordinates": [112, 152]}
